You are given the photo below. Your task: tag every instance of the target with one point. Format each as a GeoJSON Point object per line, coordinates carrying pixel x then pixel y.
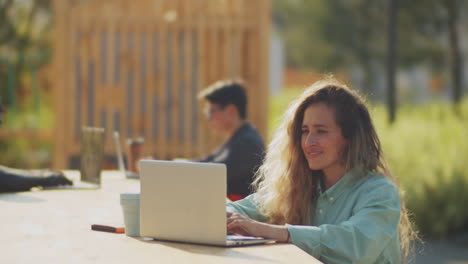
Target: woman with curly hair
{"type": "Point", "coordinates": [325, 186]}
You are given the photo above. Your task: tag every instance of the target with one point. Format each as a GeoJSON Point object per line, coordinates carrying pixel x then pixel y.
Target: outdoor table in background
{"type": "Point", "coordinates": [54, 226]}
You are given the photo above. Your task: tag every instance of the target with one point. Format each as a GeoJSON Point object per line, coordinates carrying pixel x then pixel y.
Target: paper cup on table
{"type": "Point", "coordinates": [92, 152]}
{"type": "Point", "coordinates": [131, 211]}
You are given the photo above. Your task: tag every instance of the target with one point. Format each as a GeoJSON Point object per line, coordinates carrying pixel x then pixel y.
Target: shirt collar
{"type": "Point", "coordinates": [343, 184]}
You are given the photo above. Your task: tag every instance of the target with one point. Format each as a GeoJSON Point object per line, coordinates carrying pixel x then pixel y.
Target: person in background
{"type": "Point", "coordinates": [243, 150]}
{"type": "Point", "coordinates": [16, 180]}
{"type": "Point", "coordinates": [325, 186]}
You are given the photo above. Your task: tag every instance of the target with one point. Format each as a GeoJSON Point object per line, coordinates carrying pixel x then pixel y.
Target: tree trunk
{"type": "Point", "coordinates": [455, 55]}
{"type": "Point", "coordinates": [392, 58]}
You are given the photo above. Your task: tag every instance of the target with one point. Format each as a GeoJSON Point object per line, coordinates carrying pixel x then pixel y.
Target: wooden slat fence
{"type": "Point", "coordinates": [136, 67]}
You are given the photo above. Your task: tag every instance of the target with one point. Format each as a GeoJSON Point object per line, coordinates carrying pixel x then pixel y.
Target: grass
{"type": "Point", "coordinates": [426, 149]}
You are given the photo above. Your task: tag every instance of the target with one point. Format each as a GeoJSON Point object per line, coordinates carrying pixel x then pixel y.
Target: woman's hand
{"type": "Point", "coordinates": [241, 225]}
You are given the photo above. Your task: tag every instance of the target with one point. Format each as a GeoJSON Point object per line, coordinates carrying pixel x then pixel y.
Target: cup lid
{"type": "Point", "coordinates": [135, 141]}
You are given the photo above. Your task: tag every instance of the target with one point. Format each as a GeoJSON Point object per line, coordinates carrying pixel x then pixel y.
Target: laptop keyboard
{"type": "Point", "coordinates": [241, 238]}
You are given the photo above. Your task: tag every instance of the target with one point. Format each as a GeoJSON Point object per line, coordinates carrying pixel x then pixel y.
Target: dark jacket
{"type": "Point", "coordinates": [243, 154]}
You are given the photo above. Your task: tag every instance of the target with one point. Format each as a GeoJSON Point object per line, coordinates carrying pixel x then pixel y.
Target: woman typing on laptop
{"type": "Point", "coordinates": [324, 185]}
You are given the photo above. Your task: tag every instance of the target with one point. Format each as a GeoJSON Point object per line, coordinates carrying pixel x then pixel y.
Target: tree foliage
{"type": "Point", "coordinates": [329, 35]}
{"type": "Point", "coordinates": [24, 40]}
{"type": "Point", "coordinates": [323, 34]}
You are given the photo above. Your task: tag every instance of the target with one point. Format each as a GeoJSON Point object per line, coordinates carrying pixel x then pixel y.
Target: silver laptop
{"type": "Point", "coordinates": [186, 202]}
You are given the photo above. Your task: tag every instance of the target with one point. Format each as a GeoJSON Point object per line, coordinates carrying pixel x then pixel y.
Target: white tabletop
{"type": "Point", "coordinates": [54, 226]}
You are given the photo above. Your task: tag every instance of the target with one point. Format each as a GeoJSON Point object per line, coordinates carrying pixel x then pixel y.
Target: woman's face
{"type": "Point", "coordinates": [322, 141]}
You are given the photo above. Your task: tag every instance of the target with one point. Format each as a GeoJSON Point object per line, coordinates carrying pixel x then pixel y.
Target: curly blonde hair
{"type": "Point", "coordinates": [286, 187]}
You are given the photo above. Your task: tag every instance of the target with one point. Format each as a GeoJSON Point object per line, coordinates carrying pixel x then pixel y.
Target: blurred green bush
{"type": "Point", "coordinates": [28, 151]}
{"type": "Point", "coordinates": [427, 150]}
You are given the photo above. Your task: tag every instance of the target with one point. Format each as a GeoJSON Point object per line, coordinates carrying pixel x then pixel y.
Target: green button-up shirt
{"type": "Point", "coordinates": [355, 221]}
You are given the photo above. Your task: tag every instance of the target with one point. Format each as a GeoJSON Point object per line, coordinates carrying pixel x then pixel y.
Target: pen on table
{"type": "Point", "coordinates": [104, 228]}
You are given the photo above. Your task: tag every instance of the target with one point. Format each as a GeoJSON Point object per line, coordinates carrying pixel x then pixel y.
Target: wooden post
{"type": "Point", "coordinates": [59, 69]}
{"type": "Point", "coordinates": [264, 39]}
